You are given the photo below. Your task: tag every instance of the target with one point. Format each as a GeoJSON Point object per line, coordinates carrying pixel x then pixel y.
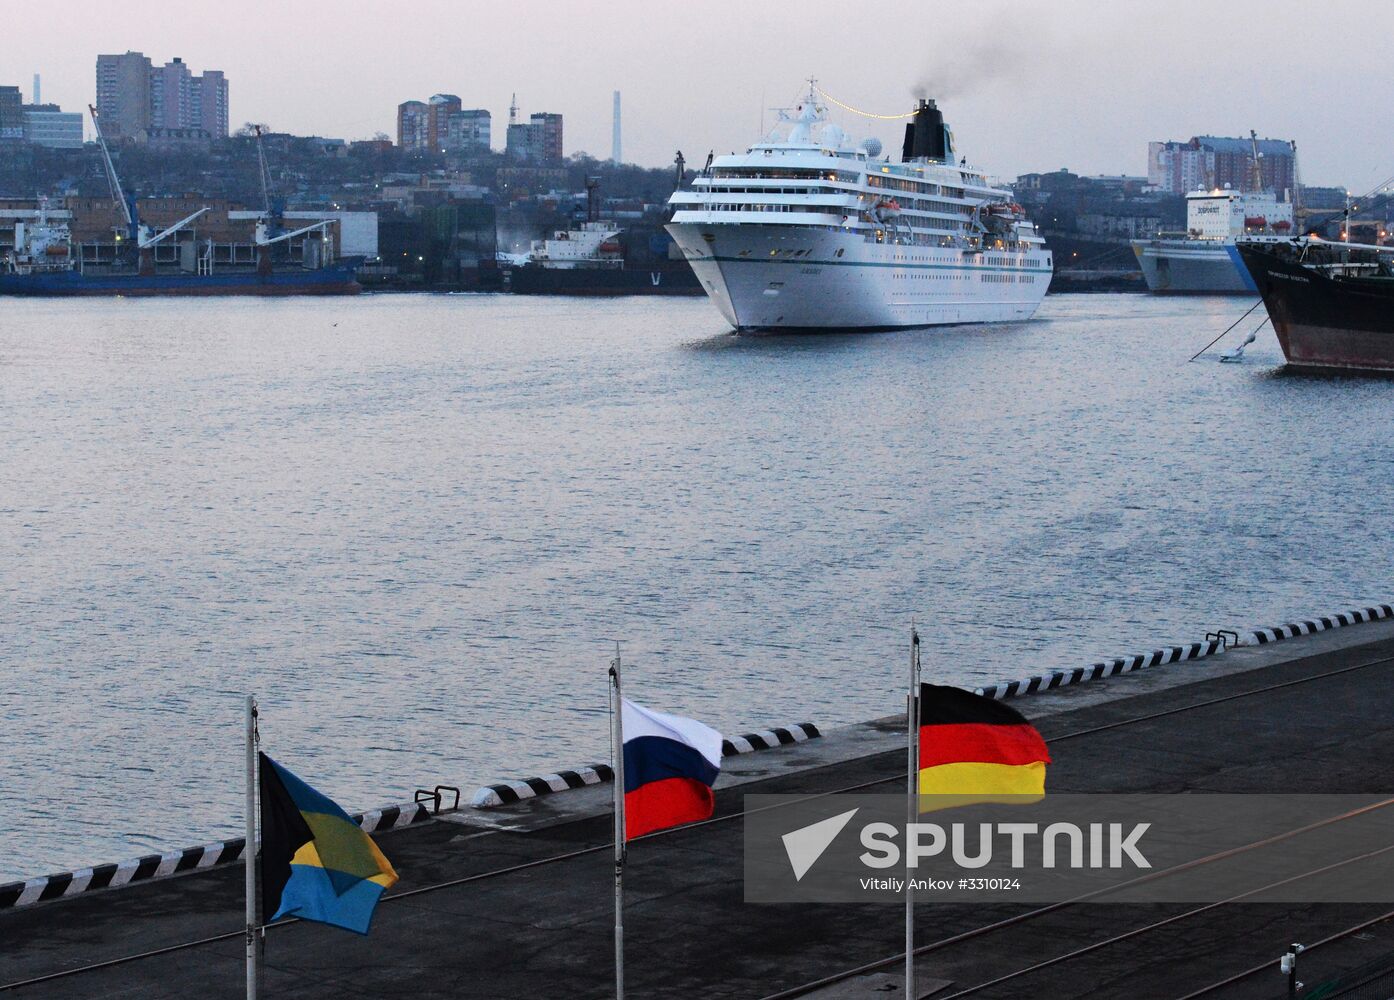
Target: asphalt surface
{"type": "Point", "coordinates": [545, 930]}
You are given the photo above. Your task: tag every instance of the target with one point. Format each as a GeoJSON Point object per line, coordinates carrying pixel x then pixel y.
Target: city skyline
{"type": "Point", "coordinates": [1026, 86]}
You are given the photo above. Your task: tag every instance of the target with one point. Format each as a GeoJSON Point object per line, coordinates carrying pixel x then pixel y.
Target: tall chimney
{"type": "Point", "coordinates": [615, 138]}
{"type": "Point", "coordinates": [37, 92]}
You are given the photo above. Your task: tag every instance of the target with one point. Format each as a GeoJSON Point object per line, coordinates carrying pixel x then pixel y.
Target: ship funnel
{"type": "Point", "coordinates": [927, 137]}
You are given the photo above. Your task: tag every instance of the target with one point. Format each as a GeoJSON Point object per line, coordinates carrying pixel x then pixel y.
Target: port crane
{"type": "Point", "coordinates": [142, 236]}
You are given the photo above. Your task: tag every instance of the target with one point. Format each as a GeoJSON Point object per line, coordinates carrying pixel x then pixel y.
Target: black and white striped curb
{"type": "Point", "coordinates": [1096, 671]}
{"type": "Point", "coordinates": [507, 792]}
{"type": "Point", "coordinates": [1263, 636]}
{"type": "Point", "coordinates": [153, 866]}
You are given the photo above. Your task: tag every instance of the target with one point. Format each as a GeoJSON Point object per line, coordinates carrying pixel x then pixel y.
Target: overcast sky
{"type": "Point", "coordinates": [1025, 85]}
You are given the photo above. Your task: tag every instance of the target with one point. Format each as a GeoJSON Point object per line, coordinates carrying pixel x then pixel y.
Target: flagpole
{"type": "Point", "coordinates": [617, 765]}
{"type": "Point", "coordinates": [249, 852]}
{"type": "Point", "coordinates": [912, 780]}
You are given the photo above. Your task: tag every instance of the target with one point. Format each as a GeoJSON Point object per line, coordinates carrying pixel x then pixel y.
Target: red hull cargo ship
{"type": "Point", "coordinates": [1331, 304]}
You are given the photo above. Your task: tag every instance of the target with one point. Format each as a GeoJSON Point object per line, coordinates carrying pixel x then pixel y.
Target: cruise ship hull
{"type": "Point", "coordinates": [1324, 322]}
{"type": "Point", "coordinates": [843, 282]}
{"type": "Point", "coordinates": [339, 278]}
{"type": "Point", "coordinates": [1192, 267]}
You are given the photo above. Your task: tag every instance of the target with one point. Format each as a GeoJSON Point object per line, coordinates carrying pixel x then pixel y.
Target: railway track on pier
{"type": "Point", "coordinates": [1008, 980]}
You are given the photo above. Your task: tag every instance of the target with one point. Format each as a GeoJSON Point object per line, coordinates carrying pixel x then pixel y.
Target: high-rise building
{"type": "Point", "coordinates": [538, 142]}
{"type": "Point", "coordinates": [549, 127]}
{"type": "Point", "coordinates": [412, 119]}
{"type": "Point", "coordinates": [1208, 161]}
{"type": "Point", "coordinates": [468, 131]}
{"type": "Point", "coordinates": [133, 95]}
{"type": "Point", "coordinates": [438, 111]}
{"type": "Point", "coordinates": [208, 103]}
{"type": "Point", "coordinates": [442, 125]}
{"type": "Point", "coordinates": [123, 94]}
{"type": "Point", "coordinates": [11, 114]}
{"type": "Point", "coordinates": [171, 95]}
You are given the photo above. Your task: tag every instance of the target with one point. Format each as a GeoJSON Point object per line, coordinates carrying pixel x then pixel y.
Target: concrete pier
{"type": "Point", "coordinates": [528, 910]}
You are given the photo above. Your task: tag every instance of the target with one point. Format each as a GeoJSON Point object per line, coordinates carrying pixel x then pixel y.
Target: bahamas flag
{"type": "Point", "coordinates": [316, 864]}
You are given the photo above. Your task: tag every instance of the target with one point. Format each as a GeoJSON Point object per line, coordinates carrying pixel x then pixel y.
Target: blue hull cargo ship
{"type": "Point", "coordinates": [43, 261]}
{"type": "Point", "coordinates": [338, 278]}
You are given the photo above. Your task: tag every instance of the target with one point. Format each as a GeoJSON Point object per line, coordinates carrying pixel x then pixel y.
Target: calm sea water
{"type": "Point", "coordinates": [415, 525]}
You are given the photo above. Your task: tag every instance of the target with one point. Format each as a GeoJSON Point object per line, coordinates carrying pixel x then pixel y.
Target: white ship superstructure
{"type": "Point", "coordinates": [41, 247]}
{"type": "Point", "coordinates": [806, 230]}
{"type": "Point", "coordinates": [1203, 260]}
{"type": "Point", "coordinates": [591, 244]}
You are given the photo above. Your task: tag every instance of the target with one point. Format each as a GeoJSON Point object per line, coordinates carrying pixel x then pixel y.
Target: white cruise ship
{"type": "Point", "coordinates": [808, 231]}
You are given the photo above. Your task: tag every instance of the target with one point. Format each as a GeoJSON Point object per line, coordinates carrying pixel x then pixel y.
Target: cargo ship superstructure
{"type": "Point", "coordinates": [808, 230]}
{"type": "Point", "coordinates": [1203, 260]}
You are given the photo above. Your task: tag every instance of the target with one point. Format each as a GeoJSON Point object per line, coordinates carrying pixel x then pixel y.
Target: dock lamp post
{"type": "Point", "coordinates": [1288, 967]}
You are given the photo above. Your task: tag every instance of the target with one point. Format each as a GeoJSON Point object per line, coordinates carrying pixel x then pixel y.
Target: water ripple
{"type": "Point", "coordinates": [417, 535]}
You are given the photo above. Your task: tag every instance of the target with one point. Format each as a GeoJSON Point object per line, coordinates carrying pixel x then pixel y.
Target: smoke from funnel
{"type": "Point", "coordinates": [973, 66]}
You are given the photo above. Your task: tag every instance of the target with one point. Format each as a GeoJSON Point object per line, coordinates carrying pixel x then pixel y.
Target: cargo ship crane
{"type": "Point", "coordinates": [271, 227]}
{"type": "Point", "coordinates": [272, 210]}
{"type": "Point", "coordinates": [142, 237]}
{"type": "Point", "coordinates": [127, 204]}
{"type": "Point", "coordinates": [1255, 170]}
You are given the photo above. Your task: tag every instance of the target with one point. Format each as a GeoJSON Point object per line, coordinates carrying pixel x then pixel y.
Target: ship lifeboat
{"type": "Point", "coordinates": [1282, 226]}
{"type": "Point", "coordinates": [610, 246]}
{"type": "Point", "coordinates": [886, 207]}
{"type": "Point", "coordinates": [1255, 222]}
{"type": "Point", "coordinates": [57, 251]}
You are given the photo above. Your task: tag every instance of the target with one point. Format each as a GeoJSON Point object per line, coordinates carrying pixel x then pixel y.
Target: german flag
{"type": "Point", "coordinates": [975, 749]}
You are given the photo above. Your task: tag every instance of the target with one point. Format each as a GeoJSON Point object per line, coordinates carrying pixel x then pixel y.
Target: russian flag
{"type": "Point", "coordinates": [670, 764]}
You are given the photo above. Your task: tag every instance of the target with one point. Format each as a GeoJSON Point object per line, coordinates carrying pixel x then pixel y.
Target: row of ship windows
{"type": "Point", "coordinates": [758, 207]}
{"type": "Point", "coordinates": [783, 253]}
{"type": "Point", "coordinates": [924, 205]}
{"type": "Point", "coordinates": [712, 189]}
{"type": "Point", "coordinates": [918, 187]}
{"type": "Point", "coordinates": [999, 279]}
{"type": "Point", "coordinates": [988, 261]}
{"type": "Point", "coordinates": [783, 173]}
{"type": "Point", "coordinates": [718, 206]}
